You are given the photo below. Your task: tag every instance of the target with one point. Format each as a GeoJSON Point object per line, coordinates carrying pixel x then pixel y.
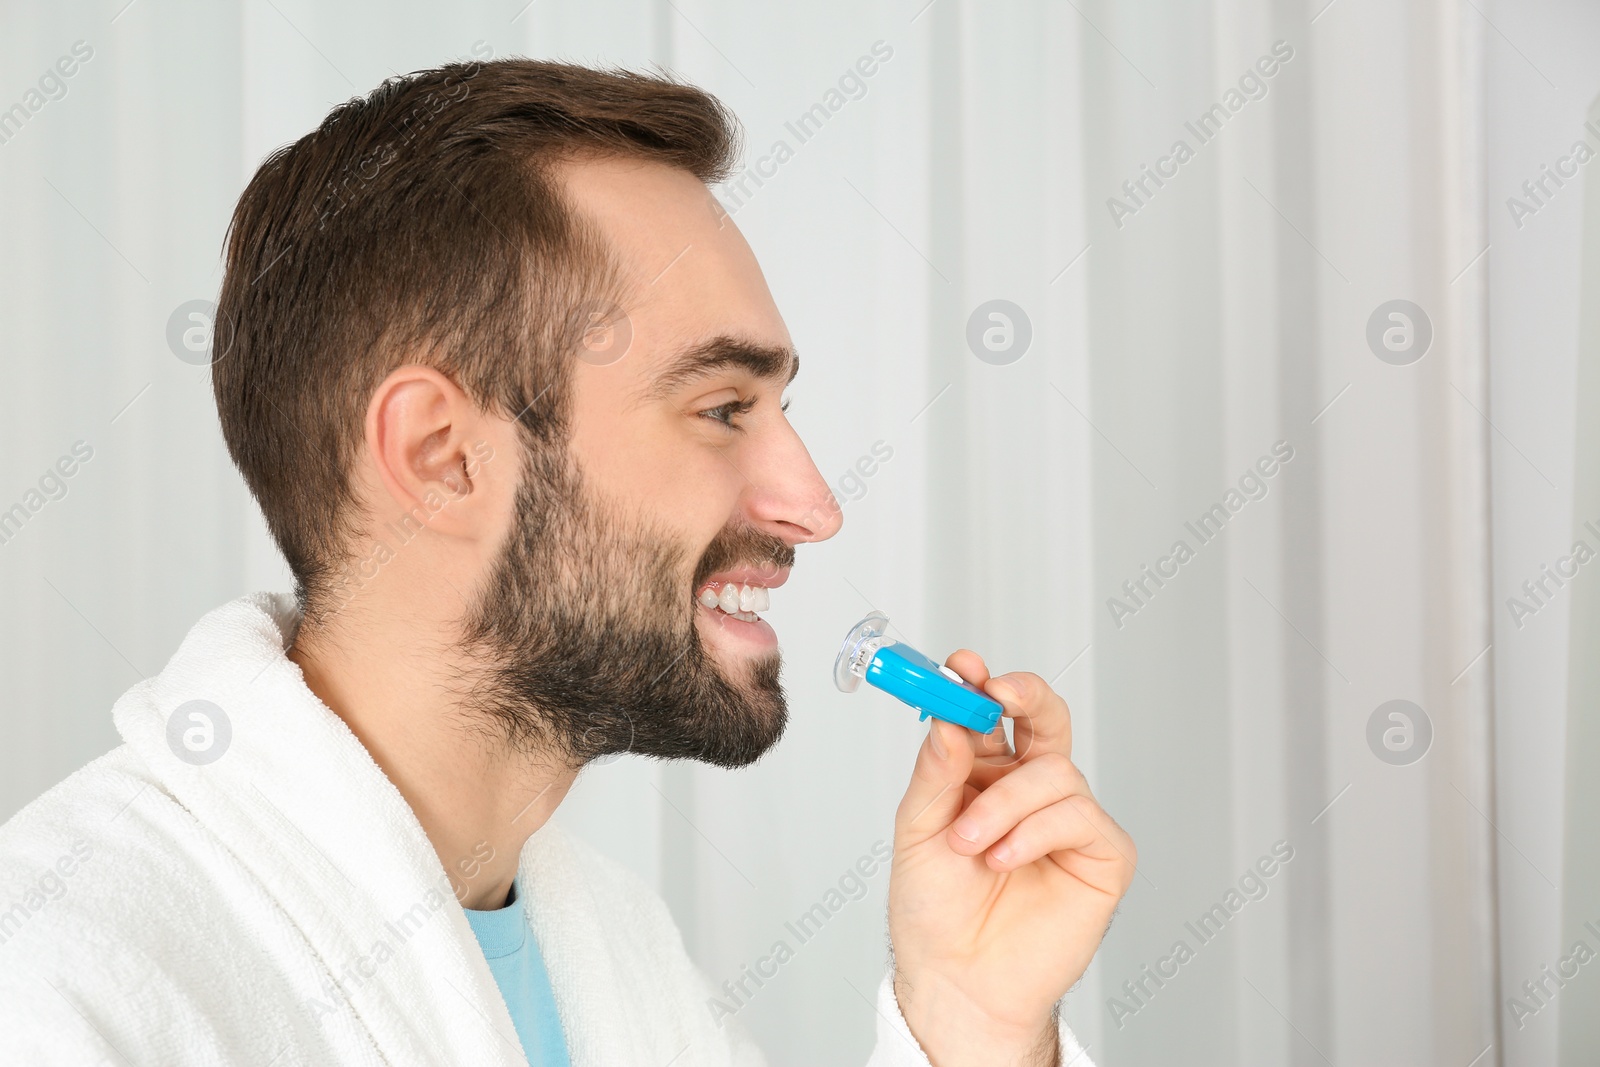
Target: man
{"type": "Point", "coordinates": [507, 387]}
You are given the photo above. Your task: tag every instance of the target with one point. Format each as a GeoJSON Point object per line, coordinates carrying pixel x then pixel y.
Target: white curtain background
{"type": "Point", "coordinates": [1174, 343]}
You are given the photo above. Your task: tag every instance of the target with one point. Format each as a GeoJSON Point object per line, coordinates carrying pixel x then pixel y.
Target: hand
{"type": "Point", "coordinates": [1006, 873]}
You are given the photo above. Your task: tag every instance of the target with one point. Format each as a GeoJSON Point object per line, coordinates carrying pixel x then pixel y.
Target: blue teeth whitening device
{"type": "Point", "coordinates": [908, 675]}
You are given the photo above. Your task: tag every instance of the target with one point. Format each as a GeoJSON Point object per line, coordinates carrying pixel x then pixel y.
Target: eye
{"type": "Point", "coordinates": [728, 414]}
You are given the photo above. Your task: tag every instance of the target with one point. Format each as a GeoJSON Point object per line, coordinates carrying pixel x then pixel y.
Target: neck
{"type": "Point", "coordinates": [477, 801]}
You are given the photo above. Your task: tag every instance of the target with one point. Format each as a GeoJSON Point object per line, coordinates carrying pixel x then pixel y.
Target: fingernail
{"type": "Point", "coordinates": [935, 741]}
{"type": "Point", "coordinates": [965, 829]}
{"type": "Point", "coordinates": [1002, 853]}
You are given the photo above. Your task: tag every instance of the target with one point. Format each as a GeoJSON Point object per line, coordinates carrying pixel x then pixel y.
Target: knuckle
{"type": "Point", "coordinates": [1085, 805]}
{"type": "Point", "coordinates": [1058, 765]}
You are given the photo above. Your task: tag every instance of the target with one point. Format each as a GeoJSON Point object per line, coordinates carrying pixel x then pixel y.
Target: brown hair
{"type": "Point", "coordinates": [421, 223]}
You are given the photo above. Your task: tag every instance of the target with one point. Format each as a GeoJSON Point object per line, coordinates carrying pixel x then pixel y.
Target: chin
{"type": "Point", "coordinates": [744, 745]}
{"type": "Point", "coordinates": [756, 722]}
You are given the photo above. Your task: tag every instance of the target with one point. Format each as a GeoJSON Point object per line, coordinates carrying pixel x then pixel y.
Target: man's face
{"type": "Point", "coordinates": [625, 606]}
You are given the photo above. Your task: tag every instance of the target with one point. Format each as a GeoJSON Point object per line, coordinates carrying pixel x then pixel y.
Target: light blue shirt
{"type": "Point", "coordinates": [518, 968]}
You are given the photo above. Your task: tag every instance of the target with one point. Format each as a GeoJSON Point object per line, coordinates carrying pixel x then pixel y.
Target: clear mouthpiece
{"type": "Point", "coordinates": [860, 644]}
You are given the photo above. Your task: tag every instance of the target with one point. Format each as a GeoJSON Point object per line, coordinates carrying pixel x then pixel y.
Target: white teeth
{"type": "Point", "coordinates": [740, 601]}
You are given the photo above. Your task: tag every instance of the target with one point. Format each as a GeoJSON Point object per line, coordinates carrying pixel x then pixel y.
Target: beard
{"type": "Point", "coordinates": [584, 642]}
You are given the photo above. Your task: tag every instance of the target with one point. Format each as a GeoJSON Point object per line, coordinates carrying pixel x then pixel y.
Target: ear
{"type": "Point", "coordinates": [432, 451]}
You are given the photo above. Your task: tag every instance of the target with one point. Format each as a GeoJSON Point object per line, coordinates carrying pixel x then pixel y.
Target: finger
{"type": "Point", "coordinates": [970, 666]}
{"type": "Point", "coordinates": [1041, 721]}
{"type": "Point", "coordinates": [1078, 835]}
{"type": "Point", "coordinates": [990, 768]}
{"type": "Point", "coordinates": [1030, 787]}
{"type": "Point", "coordinates": [938, 780]}
{"type": "Point", "coordinates": [992, 746]}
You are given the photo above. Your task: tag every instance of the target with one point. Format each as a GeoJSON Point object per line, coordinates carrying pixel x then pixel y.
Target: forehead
{"type": "Point", "coordinates": [690, 280]}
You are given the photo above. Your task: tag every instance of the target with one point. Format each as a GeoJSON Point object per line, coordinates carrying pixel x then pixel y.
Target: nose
{"type": "Point", "coordinates": [788, 497]}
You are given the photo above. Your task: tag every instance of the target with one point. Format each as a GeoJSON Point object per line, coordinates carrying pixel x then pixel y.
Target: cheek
{"type": "Point", "coordinates": [697, 493]}
{"type": "Point", "coordinates": [652, 467]}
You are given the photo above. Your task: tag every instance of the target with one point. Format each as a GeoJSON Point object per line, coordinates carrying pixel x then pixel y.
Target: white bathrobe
{"type": "Point", "coordinates": [281, 904]}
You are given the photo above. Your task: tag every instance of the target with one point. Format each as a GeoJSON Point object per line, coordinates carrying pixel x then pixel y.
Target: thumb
{"type": "Point", "coordinates": [938, 780]}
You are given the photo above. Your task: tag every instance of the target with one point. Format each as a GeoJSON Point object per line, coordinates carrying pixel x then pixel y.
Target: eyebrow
{"type": "Point", "coordinates": [778, 363]}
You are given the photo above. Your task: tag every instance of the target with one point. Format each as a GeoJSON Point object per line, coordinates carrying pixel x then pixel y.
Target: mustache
{"type": "Point", "coordinates": [743, 545]}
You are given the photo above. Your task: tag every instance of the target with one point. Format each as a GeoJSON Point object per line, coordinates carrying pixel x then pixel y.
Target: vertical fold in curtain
{"type": "Point", "coordinates": [1579, 1002]}
{"type": "Point", "coordinates": [1460, 663]}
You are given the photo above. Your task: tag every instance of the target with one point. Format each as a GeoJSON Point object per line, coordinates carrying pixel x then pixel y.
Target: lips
{"type": "Point", "coordinates": [766, 575]}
